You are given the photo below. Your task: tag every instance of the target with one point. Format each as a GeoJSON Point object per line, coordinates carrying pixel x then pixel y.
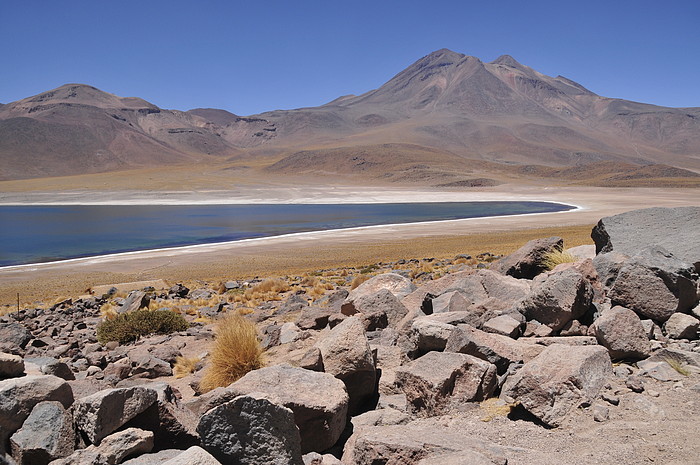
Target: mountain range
{"type": "Point", "coordinates": [448, 119]}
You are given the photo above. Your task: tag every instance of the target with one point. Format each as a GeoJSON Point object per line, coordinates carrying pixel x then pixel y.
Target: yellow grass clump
{"type": "Point", "coordinates": [557, 257]}
{"type": "Point", "coordinates": [235, 352]}
{"type": "Point", "coordinates": [185, 366]}
{"type": "Point", "coordinates": [357, 280]}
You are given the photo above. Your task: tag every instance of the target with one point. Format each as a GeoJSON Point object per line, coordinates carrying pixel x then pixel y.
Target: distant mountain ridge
{"type": "Point", "coordinates": [499, 114]}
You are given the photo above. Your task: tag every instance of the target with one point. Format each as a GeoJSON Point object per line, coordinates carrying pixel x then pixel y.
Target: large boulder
{"type": "Point", "coordinates": [394, 283]}
{"type": "Point", "coordinates": [424, 439]}
{"type": "Point", "coordinates": [620, 330]}
{"type": "Point", "coordinates": [347, 356]}
{"type": "Point", "coordinates": [251, 430]}
{"type": "Point", "coordinates": [18, 396]}
{"type": "Point", "coordinates": [173, 425]}
{"type": "Point", "coordinates": [47, 434]}
{"type": "Point", "coordinates": [113, 449]}
{"type": "Point", "coordinates": [100, 414]}
{"type": "Point", "coordinates": [434, 380]}
{"type": "Point", "coordinates": [557, 298]}
{"type": "Point", "coordinates": [429, 334]}
{"type": "Point", "coordinates": [482, 294]}
{"type": "Point", "coordinates": [493, 348]}
{"type": "Point", "coordinates": [527, 261]}
{"type": "Point", "coordinates": [380, 305]}
{"type": "Point", "coordinates": [682, 326]}
{"type": "Point", "coordinates": [559, 379]}
{"type": "Point", "coordinates": [669, 285]}
{"type": "Point", "coordinates": [319, 401]}
{"type": "Point", "coordinates": [674, 229]}
{"type": "Point", "coordinates": [11, 365]}
{"type": "Point", "coordinates": [14, 337]}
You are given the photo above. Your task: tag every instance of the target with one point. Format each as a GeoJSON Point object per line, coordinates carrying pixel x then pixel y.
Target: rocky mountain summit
{"type": "Point", "coordinates": [501, 360]}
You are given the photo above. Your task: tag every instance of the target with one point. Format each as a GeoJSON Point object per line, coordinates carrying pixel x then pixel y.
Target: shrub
{"type": "Point", "coordinates": [235, 352]}
{"type": "Point", "coordinates": [130, 326]}
{"type": "Point", "coordinates": [557, 257]}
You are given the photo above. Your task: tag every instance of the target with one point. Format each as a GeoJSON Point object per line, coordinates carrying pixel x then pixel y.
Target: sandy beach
{"type": "Point", "coordinates": [322, 249]}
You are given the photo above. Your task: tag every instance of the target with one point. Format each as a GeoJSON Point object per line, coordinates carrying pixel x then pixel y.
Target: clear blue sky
{"type": "Point", "coordinates": [253, 56]}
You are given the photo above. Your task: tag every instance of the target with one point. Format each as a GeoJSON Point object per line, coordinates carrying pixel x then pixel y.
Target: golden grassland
{"type": "Point", "coordinates": [297, 259]}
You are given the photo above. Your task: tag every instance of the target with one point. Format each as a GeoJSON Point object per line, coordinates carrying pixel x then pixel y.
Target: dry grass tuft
{"type": "Point", "coordinates": [495, 407]}
{"type": "Point", "coordinates": [235, 352]}
{"type": "Point", "coordinates": [358, 280]}
{"type": "Point", "coordinates": [679, 366]}
{"type": "Point", "coordinates": [557, 257]}
{"type": "Point", "coordinates": [185, 366]}
{"type": "Point", "coordinates": [108, 311]}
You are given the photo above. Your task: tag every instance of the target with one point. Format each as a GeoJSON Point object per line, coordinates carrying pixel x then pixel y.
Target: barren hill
{"type": "Point", "coordinates": [444, 118]}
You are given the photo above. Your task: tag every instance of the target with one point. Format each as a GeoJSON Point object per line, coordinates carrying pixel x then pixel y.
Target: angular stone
{"type": "Point", "coordinates": [319, 401]}
{"type": "Point", "coordinates": [681, 326]}
{"type": "Point", "coordinates": [419, 440]}
{"type": "Point", "coordinates": [134, 301]}
{"type": "Point", "coordinates": [113, 449]}
{"type": "Point", "coordinates": [47, 434]}
{"type": "Point", "coordinates": [559, 379]}
{"type": "Point", "coordinates": [347, 356]}
{"type": "Point", "coordinates": [155, 458]}
{"type": "Point", "coordinates": [314, 458]}
{"type": "Point", "coordinates": [493, 348]}
{"type": "Point", "coordinates": [683, 357]}
{"type": "Point", "coordinates": [314, 318]}
{"type": "Point", "coordinates": [249, 430]}
{"type": "Point", "coordinates": [18, 396]}
{"type": "Point", "coordinates": [659, 369]}
{"type": "Point", "coordinates": [557, 298]}
{"type": "Point", "coordinates": [147, 366]}
{"type": "Point", "coordinates": [527, 261]}
{"type": "Point", "coordinates": [674, 229]}
{"type": "Point", "coordinates": [396, 284]}
{"type": "Point", "coordinates": [434, 380]}
{"type": "Point", "coordinates": [669, 285]}
{"type": "Point", "coordinates": [294, 303]}
{"type": "Point", "coordinates": [429, 334]}
{"type": "Point", "coordinates": [453, 301]}
{"type": "Point", "coordinates": [173, 425]}
{"type": "Point", "coordinates": [382, 301]}
{"type": "Point", "coordinates": [195, 455]}
{"type": "Point", "coordinates": [11, 365]}
{"type": "Point", "coordinates": [620, 330]}
{"type": "Point", "coordinates": [14, 337]}
{"type": "Point", "coordinates": [51, 366]}
{"type": "Point", "coordinates": [504, 325]}
{"type": "Point", "coordinates": [100, 414]}
{"type": "Point", "coordinates": [582, 251]}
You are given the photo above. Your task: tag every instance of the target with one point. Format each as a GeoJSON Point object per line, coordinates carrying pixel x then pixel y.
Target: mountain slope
{"type": "Point", "coordinates": [427, 120]}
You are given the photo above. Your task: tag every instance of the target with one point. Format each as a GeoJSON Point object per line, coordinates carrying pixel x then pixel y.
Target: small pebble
{"type": "Point", "coordinates": [601, 413]}
{"type": "Point", "coordinates": [611, 399]}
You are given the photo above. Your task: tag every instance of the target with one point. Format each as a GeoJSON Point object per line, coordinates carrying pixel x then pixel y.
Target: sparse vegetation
{"type": "Point", "coordinates": [679, 366]}
{"type": "Point", "coordinates": [557, 257]}
{"type": "Point", "coordinates": [130, 326]}
{"type": "Point", "coordinates": [185, 366]}
{"type": "Point", "coordinates": [235, 352]}
{"type": "Point", "coordinates": [358, 280]}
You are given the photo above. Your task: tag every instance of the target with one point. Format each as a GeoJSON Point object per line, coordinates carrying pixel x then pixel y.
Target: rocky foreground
{"type": "Point", "coordinates": [426, 362]}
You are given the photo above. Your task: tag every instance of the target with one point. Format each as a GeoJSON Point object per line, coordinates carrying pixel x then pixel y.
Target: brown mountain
{"type": "Point", "coordinates": [445, 117]}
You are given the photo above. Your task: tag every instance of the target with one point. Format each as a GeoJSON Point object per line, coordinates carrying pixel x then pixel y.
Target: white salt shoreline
{"type": "Point", "coordinates": [308, 235]}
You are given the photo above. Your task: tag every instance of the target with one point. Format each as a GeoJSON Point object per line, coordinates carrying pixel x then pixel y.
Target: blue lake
{"type": "Point", "coordinates": [33, 234]}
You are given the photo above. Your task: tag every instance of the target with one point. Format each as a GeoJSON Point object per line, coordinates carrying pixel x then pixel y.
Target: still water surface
{"type": "Point", "coordinates": [32, 234]}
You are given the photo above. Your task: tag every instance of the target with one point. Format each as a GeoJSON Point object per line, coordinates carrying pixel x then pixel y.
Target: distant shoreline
{"type": "Point", "coordinates": [227, 244]}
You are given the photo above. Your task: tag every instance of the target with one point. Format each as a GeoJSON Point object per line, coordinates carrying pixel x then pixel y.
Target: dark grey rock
{"type": "Point", "coordinates": [669, 284]}
{"type": "Point", "coordinates": [526, 262]}
{"type": "Point", "coordinates": [251, 430]}
{"type": "Point", "coordinates": [47, 434]}
{"type": "Point", "coordinates": [674, 229]}
{"type": "Point", "coordinates": [557, 298]}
